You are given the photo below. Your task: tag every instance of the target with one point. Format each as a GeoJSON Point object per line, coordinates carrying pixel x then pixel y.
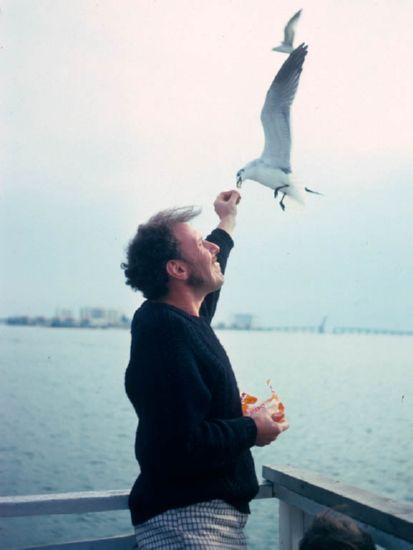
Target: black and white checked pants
{"type": "Point", "coordinates": [202, 526]}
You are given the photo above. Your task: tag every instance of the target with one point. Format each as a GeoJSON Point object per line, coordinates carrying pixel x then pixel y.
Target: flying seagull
{"type": "Point", "coordinates": [286, 45]}
{"type": "Point", "coordinates": [273, 168]}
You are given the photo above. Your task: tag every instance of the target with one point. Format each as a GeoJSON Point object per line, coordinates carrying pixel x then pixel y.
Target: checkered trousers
{"type": "Point", "coordinates": [202, 526]}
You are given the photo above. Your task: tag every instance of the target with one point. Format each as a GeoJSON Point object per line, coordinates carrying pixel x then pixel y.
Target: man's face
{"type": "Point", "coordinates": [200, 259]}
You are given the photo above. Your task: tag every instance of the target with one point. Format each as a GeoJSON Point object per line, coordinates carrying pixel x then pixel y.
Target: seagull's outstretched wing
{"type": "Point", "coordinates": [275, 115]}
{"type": "Point", "coordinates": [289, 30]}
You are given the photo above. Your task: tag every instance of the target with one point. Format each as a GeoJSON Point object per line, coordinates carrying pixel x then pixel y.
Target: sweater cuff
{"type": "Point", "coordinates": [251, 430]}
{"type": "Point", "coordinates": [222, 237]}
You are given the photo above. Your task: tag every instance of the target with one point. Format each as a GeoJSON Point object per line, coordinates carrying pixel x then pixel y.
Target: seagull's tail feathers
{"type": "Point", "coordinates": [313, 192]}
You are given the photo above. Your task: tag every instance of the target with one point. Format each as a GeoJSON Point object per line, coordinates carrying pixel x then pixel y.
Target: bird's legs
{"type": "Point", "coordinates": [278, 189]}
{"type": "Point", "coordinates": [283, 197]}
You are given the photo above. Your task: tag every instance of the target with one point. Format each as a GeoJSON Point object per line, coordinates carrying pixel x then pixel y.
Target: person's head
{"type": "Point", "coordinates": [168, 251]}
{"type": "Point", "coordinates": [330, 532]}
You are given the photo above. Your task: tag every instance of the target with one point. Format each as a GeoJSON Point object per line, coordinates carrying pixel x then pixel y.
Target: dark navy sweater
{"type": "Point", "coordinates": [192, 442]}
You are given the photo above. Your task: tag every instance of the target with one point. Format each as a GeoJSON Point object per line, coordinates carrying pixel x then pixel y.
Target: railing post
{"type": "Point", "coordinates": [293, 523]}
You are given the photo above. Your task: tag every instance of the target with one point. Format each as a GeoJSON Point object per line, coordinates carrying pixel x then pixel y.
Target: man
{"type": "Point", "coordinates": [192, 443]}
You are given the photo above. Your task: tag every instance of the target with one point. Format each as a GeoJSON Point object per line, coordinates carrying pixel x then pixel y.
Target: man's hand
{"type": "Point", "coordinates": [226, 207]}
{"type": "Point", "coordinates": [267, 429]}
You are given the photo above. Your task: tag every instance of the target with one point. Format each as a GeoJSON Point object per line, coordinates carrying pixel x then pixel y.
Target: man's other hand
{"type": "Point", "coordinates": [267, 429]}
{"type": "Point", "coordinates": [226, 206]}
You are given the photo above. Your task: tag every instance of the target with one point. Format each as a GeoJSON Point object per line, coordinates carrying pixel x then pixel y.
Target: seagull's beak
{"type": "Point", "coordinates": [239, 181]}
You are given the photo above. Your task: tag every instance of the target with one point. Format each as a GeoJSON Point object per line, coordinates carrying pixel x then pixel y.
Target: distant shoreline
{"type": "Point", "coordinates": [125, 324]}
{"type": "Point", "coordinates": [57, 323]}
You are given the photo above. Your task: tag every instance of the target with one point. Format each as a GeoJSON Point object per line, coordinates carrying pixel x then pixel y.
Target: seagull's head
{"type": "Point", "coordinates": [240, 177]}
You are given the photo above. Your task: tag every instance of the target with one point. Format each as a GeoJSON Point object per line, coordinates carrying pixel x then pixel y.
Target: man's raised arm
{"type": "Point", "coordinates": [226, 207]}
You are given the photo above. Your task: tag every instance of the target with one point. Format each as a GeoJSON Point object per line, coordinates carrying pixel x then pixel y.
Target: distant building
{"type": "Point", "coordinates": [63, 318]}
{"type": "Point", "coordinates": [64, 315]}
{"type": "Point", "coordinates": [242, 321]}
{"type": "Point", "coordinates": [100, 317]}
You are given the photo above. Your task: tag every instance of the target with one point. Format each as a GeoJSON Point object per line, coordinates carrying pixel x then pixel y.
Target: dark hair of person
{"type": "Point", "coordinates": [153, 245]}
{"type": "Point", "coordinates": [330, 532]}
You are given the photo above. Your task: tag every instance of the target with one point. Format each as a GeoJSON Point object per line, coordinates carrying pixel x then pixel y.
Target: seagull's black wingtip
{"type": "Point", "coordinates": [302, 46]}
{"type": "Point", "coordinates": [298, 55]}
{"type": "Point", "coordinates": [300, 52]}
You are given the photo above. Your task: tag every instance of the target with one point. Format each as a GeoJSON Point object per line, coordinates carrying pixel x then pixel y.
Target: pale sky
{"type": "Point", "coordinates": [113, 110]}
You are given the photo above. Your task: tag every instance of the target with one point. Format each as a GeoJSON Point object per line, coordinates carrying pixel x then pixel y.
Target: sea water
{"type": "Point", "coordinates": [66, 424]}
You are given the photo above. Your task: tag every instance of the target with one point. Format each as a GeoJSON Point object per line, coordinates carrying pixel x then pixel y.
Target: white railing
{"type": "Point", "coordinates": [302, 495]}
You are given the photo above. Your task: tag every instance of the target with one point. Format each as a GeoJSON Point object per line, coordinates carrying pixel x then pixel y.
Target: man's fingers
{"type": "Point", "coordinates": [284, 425]}
{"type": "Point", "coordinates": [233, 196]}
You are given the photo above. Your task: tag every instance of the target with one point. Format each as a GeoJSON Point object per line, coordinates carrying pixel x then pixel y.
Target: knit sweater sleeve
{"type": "Point", "coordinates": [178, 434]}
{"type": "Point", "coordinates": [225, 243]}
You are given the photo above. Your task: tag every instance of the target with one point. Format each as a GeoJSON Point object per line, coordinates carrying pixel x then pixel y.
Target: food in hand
{"type": "Point", "coordinates": [251, 406]}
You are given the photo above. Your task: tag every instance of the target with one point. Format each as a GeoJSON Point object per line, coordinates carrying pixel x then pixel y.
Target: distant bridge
{"type": "Point", "coordinates": [362, 330]}
{"type": "Point", "coordinates": [296, 329]}
{"type": "Point", "coordinates": [342, 330]}
{"type": "Point", "coordinates": [320, 329]}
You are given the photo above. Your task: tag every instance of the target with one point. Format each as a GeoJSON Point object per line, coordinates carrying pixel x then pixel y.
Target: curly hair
{"type": "Point", "coordinates": [329, 532]}
{"type": "Point", "coordinates": [153, 245]}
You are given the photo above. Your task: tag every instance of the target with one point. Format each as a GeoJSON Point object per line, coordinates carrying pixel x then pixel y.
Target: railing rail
{"type": "Point", "coordinates": [79, 503]}
{"type": "Point", "coordinates": [63, 503]}
{"type": "Point", "coordinates": [302, 495]}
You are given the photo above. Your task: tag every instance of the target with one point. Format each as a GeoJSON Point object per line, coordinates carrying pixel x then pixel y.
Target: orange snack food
{"type": "Point", "coordinates": [246, 401]}
{"type": "Point", "coordinates": [250, 405]}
